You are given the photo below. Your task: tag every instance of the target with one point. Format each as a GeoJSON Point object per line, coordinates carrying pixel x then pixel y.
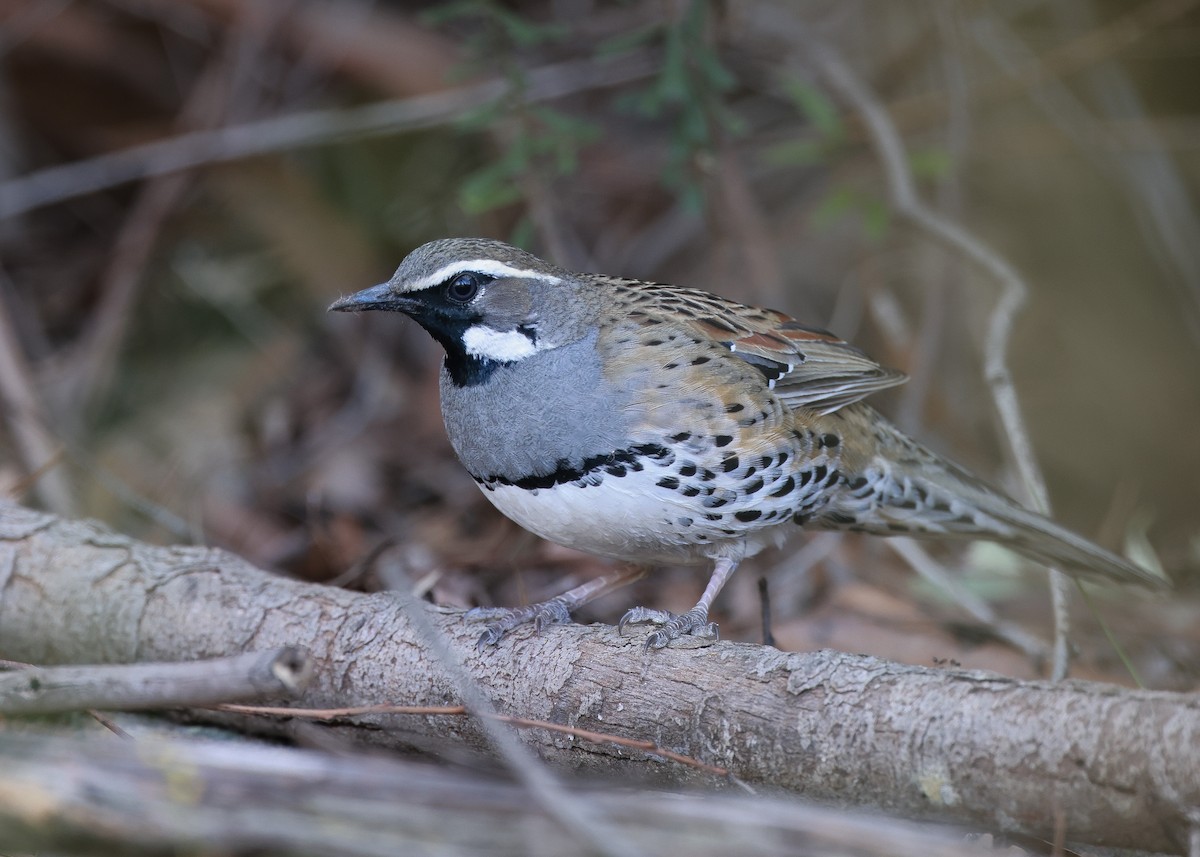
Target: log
{"type": "Point", "coordinates": [1110, 766]}
{"type": "Point", "coordinates": [73, 796]}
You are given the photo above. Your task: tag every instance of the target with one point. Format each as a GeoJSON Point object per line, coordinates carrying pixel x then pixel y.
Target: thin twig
{"type": "Point", "coordinates": [1013, 294]}
{"type": "Point", "coordinates": [1167, 216]}
{"type": "Point", "coordinates": [462, 711]}
{"type": "Point", "coordinates": [764, 601]}
{"type": "Point", "coordinates": [253, 675]}
{"type": "Point", "coordinates": [24, 411]}
{"type": "Point", "coordinates": [926, 347]}
{"type": "Point", "coordinates": [923, 564]}
{"type": "Point", "coordinates": [311, 128]}
{"type": "Point", "coordinates": [543, 786]}
{"type": "Point", "coordinates": [1097, 45]}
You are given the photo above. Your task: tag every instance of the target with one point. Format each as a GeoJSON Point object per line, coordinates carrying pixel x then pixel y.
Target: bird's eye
{"type": "Point", "coordinates": [463, 288]}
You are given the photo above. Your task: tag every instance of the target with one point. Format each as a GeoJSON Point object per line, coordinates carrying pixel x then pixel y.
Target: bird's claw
{"type": "Point", "coordinates": [694, 623]}
{"type": "Point", "coordinates": [552, 612]}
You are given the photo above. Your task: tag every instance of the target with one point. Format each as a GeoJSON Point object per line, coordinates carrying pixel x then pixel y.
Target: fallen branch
{"type": "Point", "coordinates": [300, 130]}
{"type": "Point", "coordinates": [130, 687]}
{"type": "Point", "coordinates": [1114, 766]}
{"type": "Point", "coordinates": [68, 796]}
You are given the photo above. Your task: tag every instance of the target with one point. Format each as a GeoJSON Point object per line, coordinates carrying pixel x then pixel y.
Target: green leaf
{"type": "Point", "coordinates": [796, 153]}
{"type": "Point", "coordinates": [930, 163]}
{"type": "Point", "coordinates": [624, 43]}
{"type": "Point", "coordinates": [523, 232]}
{"type": "Point", "coordinates": [877, 218]}
{"type": "Point", "coordinates": [479, 118]}
{"type": "Point", "coordinates": [836, 203]}
{"type": "Point", "coordinates": [492, 186]}
{"type": "Point", "coordinates": [816, 107]}
{"type": "Point", "coordinates": [648, 103]}
{"type": "Point", "coordinates": [525, 33]}
{"type": "Point", "coordinates": [452, 11]}
{"type": "Point", "coordinates": [672, 82]}
{"type": "Point", "coordinates": [715, 74]}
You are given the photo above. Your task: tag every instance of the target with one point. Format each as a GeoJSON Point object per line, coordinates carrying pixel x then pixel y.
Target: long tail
{"type": "Point", "coordinates": [908, 490]}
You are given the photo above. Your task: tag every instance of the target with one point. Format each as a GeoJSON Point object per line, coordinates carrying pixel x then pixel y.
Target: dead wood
{"type": "Point", "coordinates": [97, 797]}
{"type": "Point", "coordinates": [1117, 767]}
{"type": "Point", "coordinates": [130, 687]}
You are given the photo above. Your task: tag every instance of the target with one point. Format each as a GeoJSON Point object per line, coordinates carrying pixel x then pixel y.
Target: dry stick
{"type": "Point", "coordinates": [740, 213]}
{"type": "Point", "coordinates": [311, 128]}
{"type": "Point", "coordinates": [208, 104]}
{"type": "Point", "coordinates": [921, 562]}
{"type": "Point", "coordinates": [1168, 220]}
{"type": "Point", "coordinates": [954, 744]}
{"type": "Point", "coordinates": [1013, 293]}
{"type": "Point", "coordinates": [461, 711]}
{"type": "Point", "coordinates": [930, 335]}
{"type": "Point", "coordinates": [1060, 62]}
{"type": "Point", "coordinates": [253, 675]}
{"type": "Point", "coordinates": [26, 417]}
{"type": "Point", "coordinates": [544, 787]}
{"type": "Point", "coordinates": [95, 714]}
{"type": "Point", "coordinates": [93, 796]}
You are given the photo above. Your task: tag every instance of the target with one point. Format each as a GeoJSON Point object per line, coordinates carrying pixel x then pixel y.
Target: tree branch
{"type": "Point", "coordinates": [1115, 766]}
{"type": "Point", "coordinates": [66, 796]}
{"type": "Point", "coordinates": [128, 687]}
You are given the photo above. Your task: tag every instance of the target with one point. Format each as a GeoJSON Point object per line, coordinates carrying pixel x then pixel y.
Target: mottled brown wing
{"type": "Point", "coordinates": [806, 366]}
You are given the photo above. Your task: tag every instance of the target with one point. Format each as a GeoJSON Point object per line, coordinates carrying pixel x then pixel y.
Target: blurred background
{"type": "Point", "coordinates": [185, 185]}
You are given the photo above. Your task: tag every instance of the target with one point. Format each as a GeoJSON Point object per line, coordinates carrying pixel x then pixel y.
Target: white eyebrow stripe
{"type": "Point", "coordinates": [492, 267]}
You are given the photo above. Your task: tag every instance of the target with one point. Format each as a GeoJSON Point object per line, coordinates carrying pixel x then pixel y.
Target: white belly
{"type": "Point", "coordinates": [630, 518]}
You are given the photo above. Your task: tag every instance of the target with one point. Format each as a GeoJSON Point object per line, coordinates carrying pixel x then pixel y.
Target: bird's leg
{"type": "Point", "coordinates": [694, 621]}
{"type": "Point", "coordinates": [557, 610]}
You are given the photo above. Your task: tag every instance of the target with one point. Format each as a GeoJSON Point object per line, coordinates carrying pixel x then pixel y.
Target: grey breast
{"type": "Point", "coordinates": [534, 416]}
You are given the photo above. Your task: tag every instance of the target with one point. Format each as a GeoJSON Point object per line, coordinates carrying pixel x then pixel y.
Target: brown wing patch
{"type": "Point", "coordinates": [808, 367]}
{"type": "Point", "coordinates": [794, 330]}
{"type": "Point", "coordinates": [764, 341]}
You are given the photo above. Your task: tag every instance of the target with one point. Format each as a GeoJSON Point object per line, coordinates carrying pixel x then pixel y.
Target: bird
{"type": "Point", "coordinates": [660, 425]}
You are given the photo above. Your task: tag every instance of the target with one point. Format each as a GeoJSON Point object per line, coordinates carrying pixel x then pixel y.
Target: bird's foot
{"type": "Point", "coordinates": [501, 620]}
{"type": "Point", "coordinates": [694, 622]}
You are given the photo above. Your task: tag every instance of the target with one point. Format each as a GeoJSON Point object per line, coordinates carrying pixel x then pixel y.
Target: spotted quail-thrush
{"type": "Point", "coordinates": [662, 425]}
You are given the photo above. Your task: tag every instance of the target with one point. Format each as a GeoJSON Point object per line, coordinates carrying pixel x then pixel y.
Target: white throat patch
{"type": "Point", "coordinates": [505, 346]}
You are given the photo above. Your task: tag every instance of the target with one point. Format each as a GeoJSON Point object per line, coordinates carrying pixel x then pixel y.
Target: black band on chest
{"type": "Point", "coordinates": [617, 463]}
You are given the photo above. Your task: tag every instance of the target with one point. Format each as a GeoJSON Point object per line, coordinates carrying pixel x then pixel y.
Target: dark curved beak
{"type": "Point", "coordinates": [379, 297]}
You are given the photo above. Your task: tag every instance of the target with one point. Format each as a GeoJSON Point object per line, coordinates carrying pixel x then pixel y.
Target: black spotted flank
{"type": "Point", "coordinates": [748, 515]}
{"type": "Point", "coordinates": [723, 440]}
{"type": "Point", "coordinates": [616, 463]}
{"type": "Point", "coordinates": [788, 486]}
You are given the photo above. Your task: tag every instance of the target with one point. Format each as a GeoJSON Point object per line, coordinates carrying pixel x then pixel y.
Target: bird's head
{"type": "Point", "coordinates": [488, 303]}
